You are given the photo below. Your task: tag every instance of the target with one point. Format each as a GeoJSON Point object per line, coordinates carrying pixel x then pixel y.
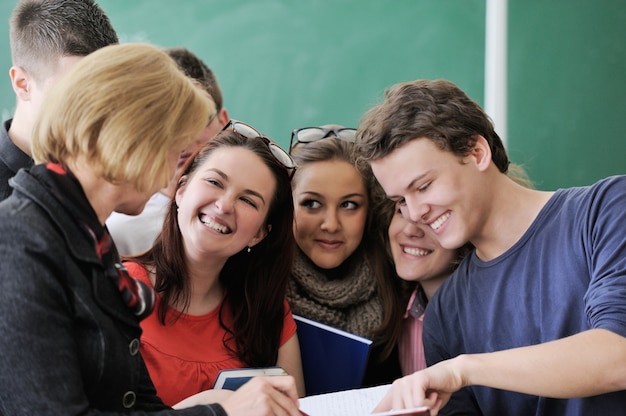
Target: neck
{"type": "Point", "coordinates": [19, 132]}
{"type": "Point", "coordinates": [430, 286]}
{"type": "Point", "coordinates": [511, 212]}
{"type": "Point", "coordinates": [100, 193]}
{"type": "Point", "coordinates": [205, 288]}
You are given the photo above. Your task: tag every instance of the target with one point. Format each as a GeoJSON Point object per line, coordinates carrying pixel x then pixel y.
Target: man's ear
{"type": "Point", "coordinates": [222, 116]}
{"type": "Point", "coordinates": [20, 81]}
{"type": "Point", "coordinates": [481, 153]}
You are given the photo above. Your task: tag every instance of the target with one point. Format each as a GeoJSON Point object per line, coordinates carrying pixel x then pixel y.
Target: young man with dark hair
{"type": "Point", "coordinates": [47, 38]}
{"type": "Point", "coordinates": [533, 321]}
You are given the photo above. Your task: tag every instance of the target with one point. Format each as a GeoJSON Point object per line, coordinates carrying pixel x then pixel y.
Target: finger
{"type": "Point", "coordinates": [286, 385]}
{"type": "Point", "coordinates": [384, 404]}
{"type": "Point", "coordinates": [282, 395]}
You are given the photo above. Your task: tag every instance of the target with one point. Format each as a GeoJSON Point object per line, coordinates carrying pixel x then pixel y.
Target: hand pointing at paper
{"type": "Point", "coordinates": [430, 387]}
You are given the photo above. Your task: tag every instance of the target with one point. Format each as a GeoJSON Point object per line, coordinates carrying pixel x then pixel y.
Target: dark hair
{"type": "Point", "coordinates": [255, 283]}
{"type": "Point", "coordinates": [372, 245]}
{"type": "Point", "coordinates": [43, 31]}
{"type": "Point", "coordinates": [195, 68]}
{"type": "Point", "coordinates": [437, 110]}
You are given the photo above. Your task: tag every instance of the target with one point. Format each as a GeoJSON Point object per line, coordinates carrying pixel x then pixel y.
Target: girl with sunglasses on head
{"type": "Point", "coordinates": [220, 268]}
{"type": "Point", "coordinates": [342, 275]}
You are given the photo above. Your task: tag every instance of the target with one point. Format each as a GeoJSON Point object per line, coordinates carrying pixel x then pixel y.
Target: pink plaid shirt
{"type": "Point", "coordinates": [410, 345]}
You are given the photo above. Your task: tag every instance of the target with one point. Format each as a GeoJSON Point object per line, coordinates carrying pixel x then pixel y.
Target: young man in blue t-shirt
{"type": "Point", "coordinates": [534, 320]}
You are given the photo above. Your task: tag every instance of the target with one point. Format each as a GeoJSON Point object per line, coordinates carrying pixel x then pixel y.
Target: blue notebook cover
{"type": "Point", "coordinates": [332, 359]}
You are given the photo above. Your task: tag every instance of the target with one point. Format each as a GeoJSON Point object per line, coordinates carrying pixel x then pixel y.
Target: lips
{"type": "Point", "coordinates": [329, 244]}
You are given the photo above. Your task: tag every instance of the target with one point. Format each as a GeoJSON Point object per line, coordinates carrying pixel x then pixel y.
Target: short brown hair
{"type": "Point", "coordinates": [195, 68]}
{"type": "Point", "coordinates": [43, 31]}
{"type": "Point", "coordinates": [437, 110]}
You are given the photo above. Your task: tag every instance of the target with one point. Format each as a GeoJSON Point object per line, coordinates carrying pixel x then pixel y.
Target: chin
{"type": "Point", "coordinates": [328, 263]}
{"type": "Point", "coordinates": [136, 210]}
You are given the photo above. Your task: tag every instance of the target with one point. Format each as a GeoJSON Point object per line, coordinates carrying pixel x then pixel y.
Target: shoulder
{"type": "Point", "coordinates": [611, 187]}
{"type": "Point", "coordinates": [25, 222]}
{"type": "Point", "coordinates": [599, 203]}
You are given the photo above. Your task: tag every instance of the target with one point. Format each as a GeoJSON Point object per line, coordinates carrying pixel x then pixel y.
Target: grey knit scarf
{"type": "Point", "coordinates": [348, 301]}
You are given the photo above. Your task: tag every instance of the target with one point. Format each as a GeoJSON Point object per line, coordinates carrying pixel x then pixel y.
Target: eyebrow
{"type": "Point", "coordinates": [411, 184]}
{"type": "Point", "coordinates": [318, 195]}
{"type": "Point", "coordinates": [245, 191]}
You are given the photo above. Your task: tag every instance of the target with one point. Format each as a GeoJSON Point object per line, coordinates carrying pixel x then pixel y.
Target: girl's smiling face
{"type": "Point", "coordinates": [222, 207]}
{"type": "Point", "coordinates": [417, 254]}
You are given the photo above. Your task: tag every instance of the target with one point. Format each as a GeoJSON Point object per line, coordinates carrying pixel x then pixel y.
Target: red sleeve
{"type": "Point", "coordinates": [137, 271]}
{"type": "Point", "coordinates": [289, 325]}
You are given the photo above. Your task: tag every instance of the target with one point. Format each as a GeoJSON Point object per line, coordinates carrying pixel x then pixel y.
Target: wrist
{"type": "Point", "coordinates": [462, 366]}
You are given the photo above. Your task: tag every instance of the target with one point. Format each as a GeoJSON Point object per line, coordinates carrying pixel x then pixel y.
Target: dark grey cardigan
{"type": "Point", "coordinates": [68, 344]}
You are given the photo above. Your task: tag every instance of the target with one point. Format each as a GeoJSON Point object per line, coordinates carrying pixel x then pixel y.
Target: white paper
{"type": "Point", "coordinates": [359, 402]}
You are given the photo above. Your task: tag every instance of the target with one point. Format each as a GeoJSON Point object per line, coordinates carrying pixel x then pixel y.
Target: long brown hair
{"type": "Point", "coordinates": [254, 282]}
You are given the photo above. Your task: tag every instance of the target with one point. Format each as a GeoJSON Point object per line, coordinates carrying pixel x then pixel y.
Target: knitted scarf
{"type": "Point", "coordinates": [348, 301]}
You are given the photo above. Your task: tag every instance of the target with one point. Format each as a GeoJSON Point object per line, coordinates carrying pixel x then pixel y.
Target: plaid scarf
{"type": "Point", "coordinates": [64, 186]}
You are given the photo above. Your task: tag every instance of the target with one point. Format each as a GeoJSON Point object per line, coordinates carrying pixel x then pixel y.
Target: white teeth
{"type": "Point", "coordinates": [217, 227]}
{"type": "Point", "coordinates": [435, 225]}
{"type": "Point", "coordinates": [416, 251]}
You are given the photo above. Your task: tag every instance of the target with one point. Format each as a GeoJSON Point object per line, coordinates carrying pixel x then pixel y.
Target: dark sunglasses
{"type": "Point", "coordinates": [249, 132]}
{"type": "Point", "coordinates": [313, 134]}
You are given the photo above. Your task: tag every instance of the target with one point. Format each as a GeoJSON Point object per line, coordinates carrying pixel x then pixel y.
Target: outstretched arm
{"type": "Point", "coordinates": [586, 364]}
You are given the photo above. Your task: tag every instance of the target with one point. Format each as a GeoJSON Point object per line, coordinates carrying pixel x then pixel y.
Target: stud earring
{"type": "Point", "coordinates": [249, 249]}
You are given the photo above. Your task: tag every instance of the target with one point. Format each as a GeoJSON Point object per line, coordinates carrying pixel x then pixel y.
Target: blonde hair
{"type": "Point", "coordinates": [121, 110]}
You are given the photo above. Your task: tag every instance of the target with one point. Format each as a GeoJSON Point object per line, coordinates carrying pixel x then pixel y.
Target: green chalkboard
{"type": "Point", "coordinates": [567, 89]}
{"type": "Point", "coordinates": [290, 63]}
{"type": "Point", "coordinates": [284, 64]}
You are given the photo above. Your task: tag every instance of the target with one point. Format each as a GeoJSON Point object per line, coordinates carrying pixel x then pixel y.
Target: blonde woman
{"type": "Point", "coordinates": [70, 311]}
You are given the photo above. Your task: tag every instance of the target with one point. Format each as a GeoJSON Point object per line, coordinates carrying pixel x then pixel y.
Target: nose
{"type": "Point", "coordinates": [331, 221]}
{"type": "Point", "coordinates": [224, 203]}
{"type": "Point", "coordinates": [413, 210]}
{"type": "Point", "coordinates": [412, 229]}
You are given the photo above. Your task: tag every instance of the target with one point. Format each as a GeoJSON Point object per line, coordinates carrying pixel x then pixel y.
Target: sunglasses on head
{"type": "Point", "coordinates": [313, 134]}
{"type": "Point", "coordinates": [246, 131]}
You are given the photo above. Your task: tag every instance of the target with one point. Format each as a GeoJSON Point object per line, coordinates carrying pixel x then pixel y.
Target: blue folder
{"type": "Point", "coordinates": [332, 359]}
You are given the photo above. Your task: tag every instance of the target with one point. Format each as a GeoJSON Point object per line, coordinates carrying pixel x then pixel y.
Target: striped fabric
{"type": "Point", "coordinates": [410, 346]}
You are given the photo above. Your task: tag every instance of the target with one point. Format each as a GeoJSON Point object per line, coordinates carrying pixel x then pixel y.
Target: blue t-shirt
{"type": "Point", "coordinates": [566, 274]}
